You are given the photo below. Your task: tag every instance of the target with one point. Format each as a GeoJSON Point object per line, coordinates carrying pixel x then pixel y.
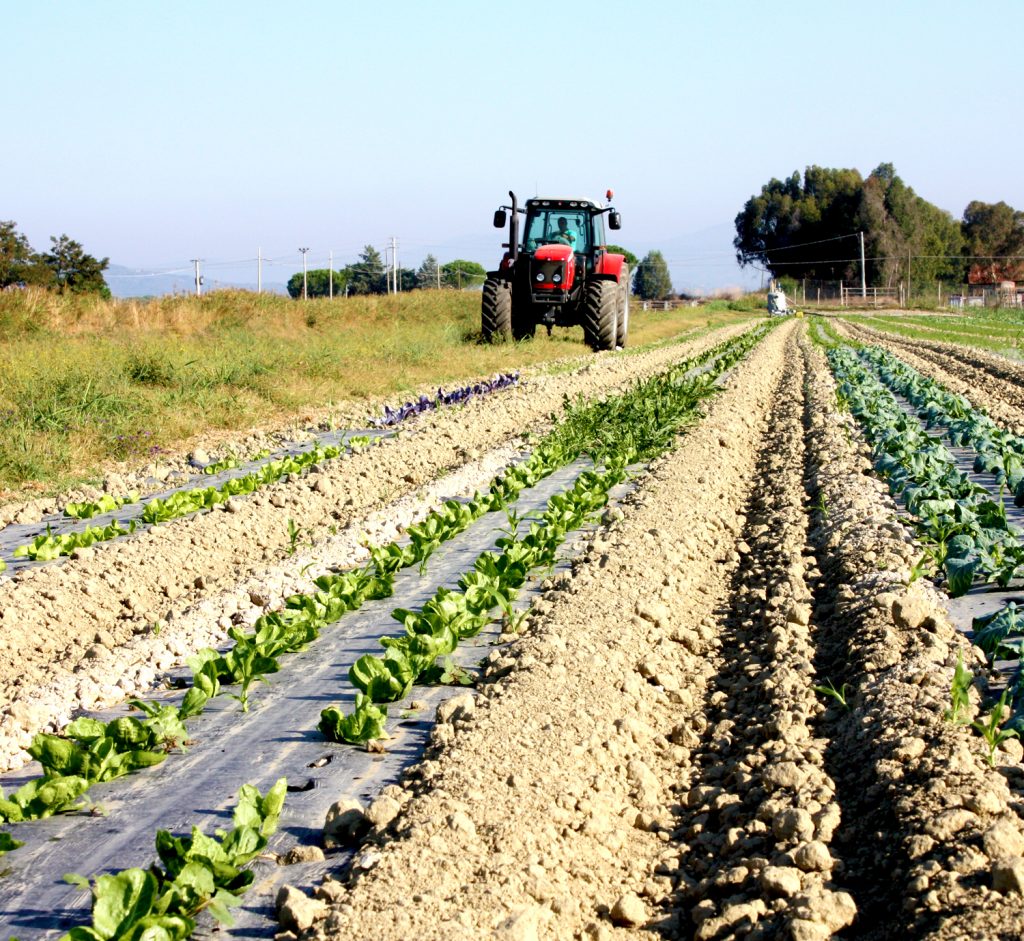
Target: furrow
{"type": "Point", "coordinates": [760, 813]}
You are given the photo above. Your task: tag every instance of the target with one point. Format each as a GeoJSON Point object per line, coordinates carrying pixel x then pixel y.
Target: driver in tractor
{"type": "Point", "coordinates": [564, 235]}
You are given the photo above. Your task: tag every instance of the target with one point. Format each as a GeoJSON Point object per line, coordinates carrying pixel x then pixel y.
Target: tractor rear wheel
{"type": "Point", "coordinates": [496, 311]}
{"type": "Point", "coordinates": [622, 331]}
{"type": "Point", "coordinates": [600, 315]}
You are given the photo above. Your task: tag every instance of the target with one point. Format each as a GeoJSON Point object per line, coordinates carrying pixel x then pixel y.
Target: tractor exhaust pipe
{"type": "Point", "coordinates": [513, 228]}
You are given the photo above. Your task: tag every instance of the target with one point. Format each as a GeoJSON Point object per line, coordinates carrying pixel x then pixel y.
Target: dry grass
{"type": "Point", "coordinates": [85, 381]}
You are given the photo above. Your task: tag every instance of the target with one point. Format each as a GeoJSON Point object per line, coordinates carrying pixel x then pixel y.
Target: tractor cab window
{"type": "Point", "coordinates": [558, 227]}
{"type": "Point", "coordinates": [599, 238]}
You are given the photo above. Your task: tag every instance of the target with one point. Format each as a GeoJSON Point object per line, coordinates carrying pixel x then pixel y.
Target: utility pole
{"type": "Point", "coordinates": [394, 260]}
{"type": "Point", "coordinates": [199, 280]}
{"type": "Point", "coordinates": [863, 273]}
{"type": "Point", "coordinates": [305, 285]}
{"type": "Point", "coordinates": [259, 270]}
{"type": "Point", "coordinates": [330, 274]}
{"type": "Point", "coordinates": [437, 268]}
{"type": "Point", "coordinates": [908, 277]}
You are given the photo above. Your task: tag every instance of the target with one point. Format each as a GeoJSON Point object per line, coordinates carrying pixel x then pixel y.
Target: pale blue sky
{"type": "Point", "coordinates": [158, 132]}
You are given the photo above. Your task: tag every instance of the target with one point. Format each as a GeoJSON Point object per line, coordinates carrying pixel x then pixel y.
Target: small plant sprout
{"type": "Point", "coordinates": [991, 729]}
{"type": "Point", "coordinates": [821, 506]}
{"type": "Point", "coordinates": [958, 712]}
{"type": "Point", "coordinates": [839, 695]}
{"type": "Point", "coordinates": [294, 535]}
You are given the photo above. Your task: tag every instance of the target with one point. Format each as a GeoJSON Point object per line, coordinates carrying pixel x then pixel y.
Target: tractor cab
{"type": "Point", "coordinates": [560, 225]}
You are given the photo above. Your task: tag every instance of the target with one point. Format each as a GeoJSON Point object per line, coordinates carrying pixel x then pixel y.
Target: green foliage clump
{"type": "Point", "coordinates": [651, 279]}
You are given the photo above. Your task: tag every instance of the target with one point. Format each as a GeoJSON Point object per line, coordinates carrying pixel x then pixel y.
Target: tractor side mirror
{"type": "Point", "coordinates": [500, 219]}
{"type": "Point", "coordinates": [614, 220]}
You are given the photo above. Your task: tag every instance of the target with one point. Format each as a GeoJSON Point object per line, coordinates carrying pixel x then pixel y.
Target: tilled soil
{"type": "Point", "coordinates": [652, 756]}
{"type": "Point", "coordinates": [991, 382]}
{"type": "Point", "coordinates": [69, 626]}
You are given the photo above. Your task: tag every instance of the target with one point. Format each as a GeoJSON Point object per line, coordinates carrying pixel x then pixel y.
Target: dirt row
{"type": "Point", "coordinates": [991, 382]}
{"type": "Point", "coordinates": [652, 757]}
{"type": "Point", "coordinates": [60, 623]}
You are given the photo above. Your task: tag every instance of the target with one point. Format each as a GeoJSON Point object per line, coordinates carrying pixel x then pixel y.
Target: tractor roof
{"type": "Point", "coordinates": [565, 202]}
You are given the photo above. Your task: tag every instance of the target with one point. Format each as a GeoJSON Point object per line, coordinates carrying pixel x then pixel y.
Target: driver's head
{"type": "Point", "coordinates": [562, 224]}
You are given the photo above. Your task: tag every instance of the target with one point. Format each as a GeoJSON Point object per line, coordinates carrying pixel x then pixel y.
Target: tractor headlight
{"type": "Point", "coordinates": [540, 275]}
{"type": "Point", "coordinates": [557, 278]}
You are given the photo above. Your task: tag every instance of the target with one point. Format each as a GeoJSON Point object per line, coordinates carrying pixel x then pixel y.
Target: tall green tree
{"type": "Point", "coordinates": [19, 264]}
{"type": "Point", "coordinates": [367, 276]}
{"type": "Point", "coordinates": [807, 228]}
{"type": "Point", "coordinates": [652, 281]}
{"type": "Point", "coordinates": [774, 227]}
{"type": "Point", "coordinates": [463, 274]}
{"type": "Point", "coordinates": [994, 241]}
{"type": "Point", "coordinates": [993, 230]}
{"type": "Point", "coordinates": [74, 270]}
{"type": "Point", "coordinates": [426, 275]}
{"type": "Point", "coordinates": [318, 281]}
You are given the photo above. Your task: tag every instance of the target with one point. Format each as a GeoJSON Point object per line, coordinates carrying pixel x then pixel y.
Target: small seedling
{"type": "Point", "coordinates": [990, 728]}
{"type": "Point", "coordinates": [821, 506]}
{"type": "Point", "coordinates": [294, 535]}
{"type": "Point", "coordinates": [958, 712]}
{"type": "Point", "coordinates": [839, 695]}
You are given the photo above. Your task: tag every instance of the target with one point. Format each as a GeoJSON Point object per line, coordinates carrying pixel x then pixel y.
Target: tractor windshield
{"type": "Point", "coordinates": [558, 227]}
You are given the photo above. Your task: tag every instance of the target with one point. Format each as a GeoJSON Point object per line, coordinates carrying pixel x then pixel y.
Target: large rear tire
{"type": "Point", "coordinates": [600, 315]}
{"type": "Point", "coordinates": [496, 311]}
{"type": "Point", "coordinates": [622, 331]}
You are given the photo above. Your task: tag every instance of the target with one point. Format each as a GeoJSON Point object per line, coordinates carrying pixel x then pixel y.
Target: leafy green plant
{"type": "Point", "coordinates": [839, 695]}
{"type": "Point", "coordinates": [991, 728]}
{"type": "Point", "coordinates": [195, 873]}
{"type": "Point", "coordinates": [364, 724]}
{"type": "Point", "coordinates": [105, 504]}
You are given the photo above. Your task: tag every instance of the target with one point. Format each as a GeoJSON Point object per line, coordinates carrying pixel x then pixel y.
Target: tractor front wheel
{"type": "Point", "coordinates": [600, 315]}
{"type": "Point", "coordinates": [496, 311]}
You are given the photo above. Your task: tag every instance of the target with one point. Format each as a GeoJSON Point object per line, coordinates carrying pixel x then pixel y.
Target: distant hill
{"type": "Point", "coordinates": [140, 282]}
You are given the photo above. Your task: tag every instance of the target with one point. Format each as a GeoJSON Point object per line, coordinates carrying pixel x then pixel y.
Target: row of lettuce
{"type": "Point", "coordinates": [203, 873]}
{"type": "Point", "coordinates": [49, 545]}
{"type": "Point", "coordinates": [619, 429]}
{"type": "Point", "coordinates": [961, 524]}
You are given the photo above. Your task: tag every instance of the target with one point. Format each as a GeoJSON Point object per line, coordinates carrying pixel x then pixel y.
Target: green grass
{"type": "Point", "coordinates": [84, 382]}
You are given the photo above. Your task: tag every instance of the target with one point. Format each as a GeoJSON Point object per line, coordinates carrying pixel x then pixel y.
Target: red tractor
{"type": "Point", "coordinates": [561, 273]}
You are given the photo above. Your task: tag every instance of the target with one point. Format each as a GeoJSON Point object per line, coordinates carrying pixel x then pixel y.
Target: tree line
{"type": "Point", "coordinates": [66, 267]}
{"type": "Point", "coordinates": [369, 275]}
{"type": "Point", "coordinates": [806, 227]}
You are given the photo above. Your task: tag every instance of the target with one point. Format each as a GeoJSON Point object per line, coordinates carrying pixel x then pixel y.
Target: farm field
{"type": "Point", "coordinates": [713, 638]}
{"type": "Point", "coordinates": [93, 389]}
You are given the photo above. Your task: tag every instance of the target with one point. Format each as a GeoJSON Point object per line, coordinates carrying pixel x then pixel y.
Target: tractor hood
{"type": "Point", "coordinates": [553, 253]}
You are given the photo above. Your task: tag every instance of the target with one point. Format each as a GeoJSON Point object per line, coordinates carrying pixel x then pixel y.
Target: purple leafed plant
{"type": "Point", "coordinates": [392, 416]}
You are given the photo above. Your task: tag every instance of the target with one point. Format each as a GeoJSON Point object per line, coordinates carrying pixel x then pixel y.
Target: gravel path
{"type": "Point", "coordinates": [651, 757]}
